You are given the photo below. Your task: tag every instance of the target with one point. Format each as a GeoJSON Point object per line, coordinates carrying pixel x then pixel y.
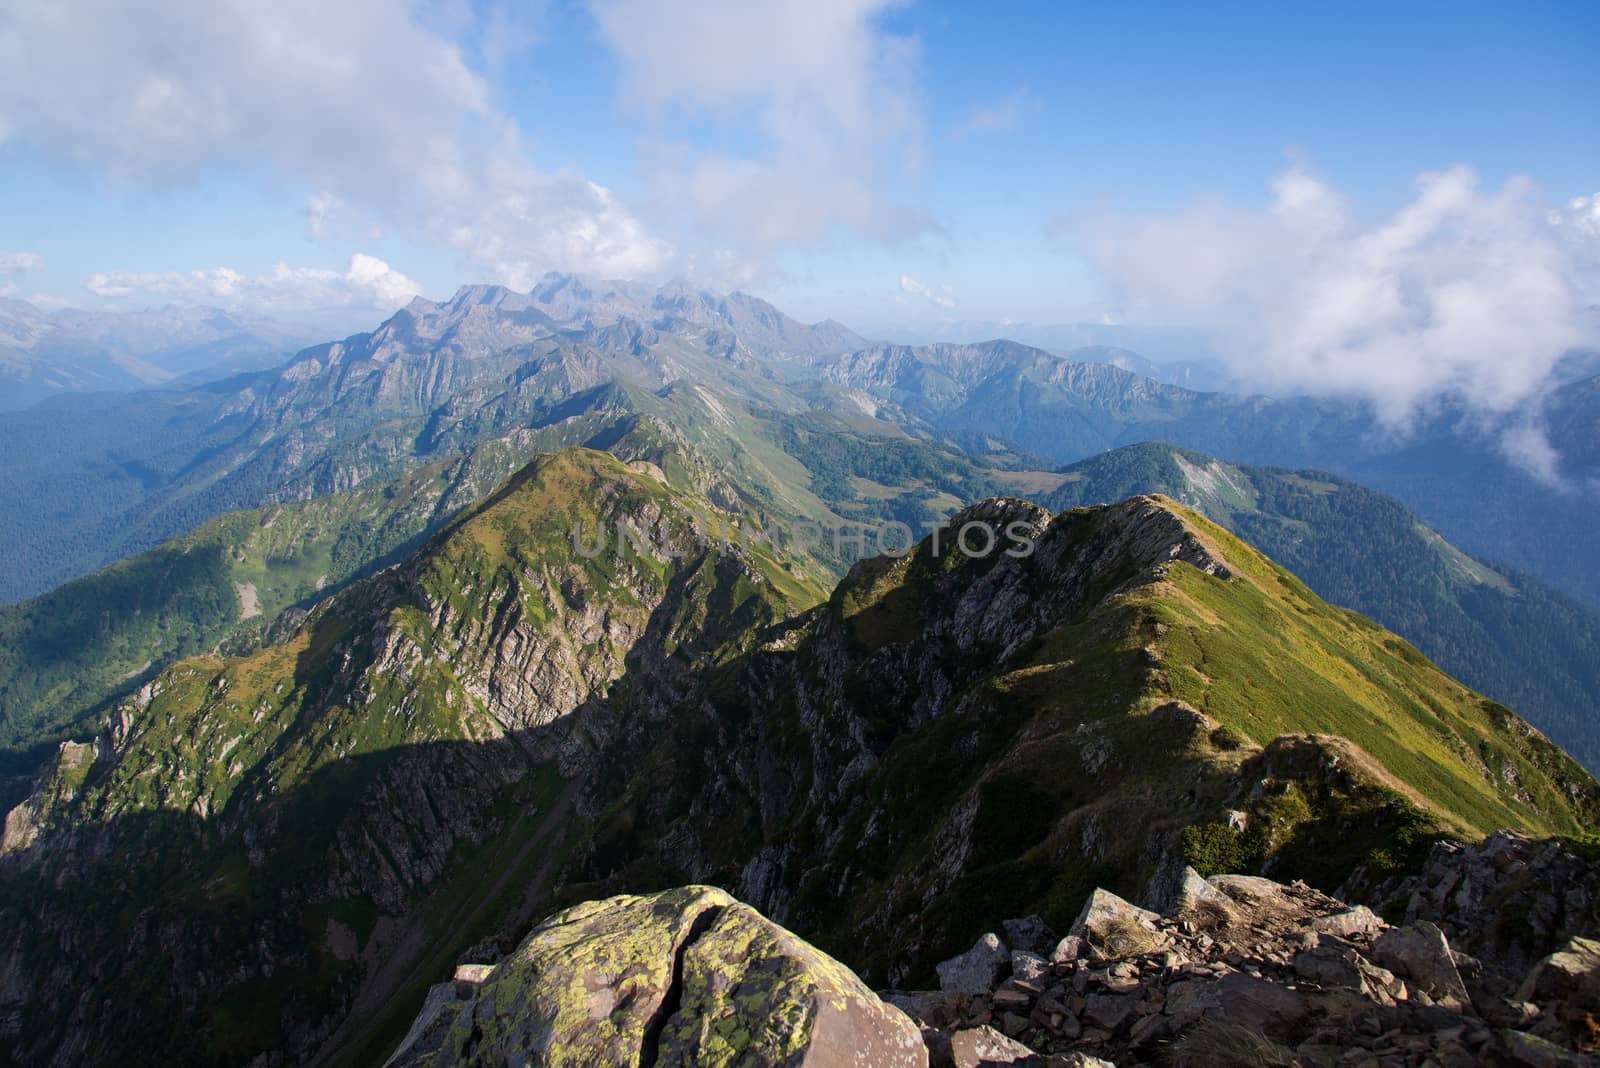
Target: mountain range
{"type": "Point", "coordinates": [747, 406]}
{"type": "Point", "coordinates": [325, 678]}
{"type": "Point", "coordinates": [444, 751]}
{"type": "Point", "coordinates": [47, 353]}
{"type": "Point", "coordinates": [96, 481]}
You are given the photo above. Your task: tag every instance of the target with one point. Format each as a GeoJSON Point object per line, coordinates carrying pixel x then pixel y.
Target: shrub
{"type": "Point", "coordinates": [1216, 848]}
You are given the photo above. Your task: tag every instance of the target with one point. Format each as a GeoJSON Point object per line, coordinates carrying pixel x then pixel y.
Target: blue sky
{"type": "Point", "coordinates": [885, 164]}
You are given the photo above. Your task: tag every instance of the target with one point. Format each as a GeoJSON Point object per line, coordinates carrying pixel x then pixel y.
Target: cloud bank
{"type": "Point", "coordinates": [366, 282]}
{"type": "Point", "coordinates": [385, 108]}
{"type": "Point", "coordinates": [1463, 294]}
{"type": "Point", "coordinates": [358, 99]}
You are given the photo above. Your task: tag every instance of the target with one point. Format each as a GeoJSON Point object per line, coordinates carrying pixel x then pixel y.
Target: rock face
{"type": "Point", "coordinates": [1245, 970]}
{"type": "Point", "coordinates": [687, 977]}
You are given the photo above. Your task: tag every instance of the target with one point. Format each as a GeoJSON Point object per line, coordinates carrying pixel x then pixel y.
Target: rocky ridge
{"type": "Point", "coordinates": [1234, 970]}
{"type": "Point", "coordinates": [498, 727]}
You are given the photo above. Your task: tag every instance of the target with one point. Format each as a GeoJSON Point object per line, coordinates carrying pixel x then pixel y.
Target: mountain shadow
{"type": "Point", "coordinates": [272, 856]}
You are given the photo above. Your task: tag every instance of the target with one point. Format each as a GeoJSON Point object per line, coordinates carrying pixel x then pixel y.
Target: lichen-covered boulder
{"type": "Point", "coordinates": [683, 977]}
{"type": "Point", "coordinates": [755, 994]}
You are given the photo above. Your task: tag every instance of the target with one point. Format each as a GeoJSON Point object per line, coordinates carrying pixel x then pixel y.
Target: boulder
{"type": "Point", "coordinates": [1077, 1059]}
{"type": "Point", "coordinates": [1029, 967]}
{"type": "Point", "coordinates": [977, 970]}
{"type": "Point", "coordinates": [1067, 950]}
{"type": "Point", "coordinates": [980, 1047]}
{"type": "Point", "coordinates": [1194, 894]}
{"type": "Point", "coordinates": [1109, 1010]}
{"type": "Point", "coordinates": [1571, 975]}
{"type": "Point", "coordinates": [755, 994]}
{"type": "Point", "coordinates": [1248, 887]}
{"type": "Point", "coordinates": [1531, 1051]}
{"type": "Point", "coordinates": [931, 1009]}
{"type": "Point", "coordinates": [1356, 921]}
{"type": "Point", "coordinates": [684, 977]}
{"type": "Point", "coordinates": [1421, 954]}
{"type": "Point", "coordinates": [1567, 984]}
{"type": "Point", "coordinates": [1114, 928]}
{"type": "Point", "coordinates": [1263, 1005]}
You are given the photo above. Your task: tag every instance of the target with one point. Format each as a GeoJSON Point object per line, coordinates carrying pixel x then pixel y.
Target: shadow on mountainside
{"type": "Point", "coordinates": [946, 744]}
{"type": "Point", "coordinates": [310, 919]}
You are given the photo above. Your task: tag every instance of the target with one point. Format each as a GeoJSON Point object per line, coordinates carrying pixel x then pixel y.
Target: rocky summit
{"type": "Point", "coordinates": [1243, 970]}
{"type": "Point", "coordinates": [1235, 970]}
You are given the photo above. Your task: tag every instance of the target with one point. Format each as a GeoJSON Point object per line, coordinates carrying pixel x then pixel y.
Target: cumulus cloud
{"type": "Point", "coordinates": [828, 93]}
{"type": "Point", "coordinates": [368, 281]}
{"type": "Point", "coordinates": [943, 296]}
{"type": "Point", "coordinates": [999, 117]}
{"type": "Point", "coordinates": [359, 99]}
{"type": "Point", "coordinates": [1463, 294]}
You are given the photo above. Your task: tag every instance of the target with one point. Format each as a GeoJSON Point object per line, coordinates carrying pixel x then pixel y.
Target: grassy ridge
{"type": "Point", "coordinates": [1505, 634]}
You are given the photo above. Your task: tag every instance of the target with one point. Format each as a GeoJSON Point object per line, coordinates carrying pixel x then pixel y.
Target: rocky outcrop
{"type": "Point", "coordinates": [1248, 970]}
{"type": "Point", "coordinates": [1509, 898]}
{"type": "Point", "coordinates": [686, 977]}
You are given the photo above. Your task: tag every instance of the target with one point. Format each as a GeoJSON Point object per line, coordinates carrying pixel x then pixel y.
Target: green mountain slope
{"type": "Point", "coordinates": [399, 754]}
{"type": "Point", "coordinates": [447, 750]}
{"type": "Point", "coordinates": [1503, 633]}
{"type": "Point", "coordinates": [66, 652]}
{"type": "Point", "coordinates": [832, 465]}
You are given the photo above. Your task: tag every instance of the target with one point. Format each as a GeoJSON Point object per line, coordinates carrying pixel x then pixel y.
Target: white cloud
{"type": "Point", "coordinates": [1463, 293]}
{"type": "Point", "coordinates": [998, 117]}
{"type": "Point", "coordinates": [943, 296]}
{"type": "Point", "coordinates": [368, 281]}
{"type": "Point", "coordinates": [13, 264]}
{"type": "Point", "coordinates": [1582, 214]}
{"type": "Point", "coordinates": [358, 99]}
{"type": "Point", "coordinates": [830, 95]}
{"type": "Point", "coordinates": [1528, 446]}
